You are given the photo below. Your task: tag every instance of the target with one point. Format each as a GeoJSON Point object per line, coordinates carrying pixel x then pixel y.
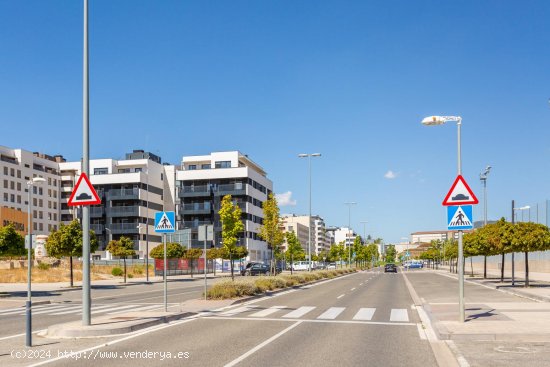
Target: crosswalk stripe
{"type": "Point", "coordinates": [399, 315]}
{"type": "Point", "coordinates": [50, 309]}
{"type": "Point", "coordinates": [364, 314]}
{"type": "Point", "coordinates": [144, 308]}
{"type": "Point", "coordinates": [103, 308]}
{"type": "Point", "coordinates": [14, 311]}
{"type": "Point", "coordinates": [331, 313]}
{"type": "Point", "coordinates": [267, 311]}
{"type": "Point", "coordinates": [299, 312]}
{"type": "Point", "coordinates": [68, 310]}
{"type": "Point", "coordinates": [238, 310]}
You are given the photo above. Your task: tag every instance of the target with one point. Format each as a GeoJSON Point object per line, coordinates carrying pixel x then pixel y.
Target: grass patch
{"type": "Point", "coordinates": [227, 289]}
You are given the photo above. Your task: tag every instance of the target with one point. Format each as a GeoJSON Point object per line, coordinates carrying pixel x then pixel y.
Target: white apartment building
{"type": "Point", "coordinates": [345, 234]}
{"type": "Point", "coordinates": [428, 236]}
{"type": "Point", "coordinates": [300, 230]}
{"type": "Point", "coordinates": [17, 167]}
{"type": "Point", "coordinates": [131, 192]}
{"type": "Point", "coordinates": [202, 182]}
{"type": "Point", "coordinates": [319, 240]}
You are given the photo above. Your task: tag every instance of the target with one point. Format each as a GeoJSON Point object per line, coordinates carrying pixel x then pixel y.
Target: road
{"type": "Point", "coordinates": [363, 319]}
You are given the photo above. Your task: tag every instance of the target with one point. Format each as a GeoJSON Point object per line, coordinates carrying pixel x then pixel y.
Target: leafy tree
{"type": "Point", "coordinates": [67, 241]}
{"type": "Point", "coordinates": [372, 252]}
{"type": "Point", "coordinates": [122, 248]}
{"type": "Point", "coordinates": [270, 230]}
{"type": "Point", "coordinates": [357, 245]}
{"type": "Point", "coordinates": [11, 242]}
{"type": "Point", "coordinates": [390, 254]}
{"type": "Point", "coordinates": [529, 236]}
{"type": "Point", "coordinates": [173, 251]}
{"type": "Point", "coordinates": [191, 255]}
{"type": "Point", "coordinates": [294, 248]}
{"type": "Point", "coordinates": [230, 217]}
{"type": "Point", "coordinates": [213, 254]}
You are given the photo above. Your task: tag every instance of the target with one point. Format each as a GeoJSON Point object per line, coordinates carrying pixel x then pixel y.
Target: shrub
{"type": "Point", "coordinates": [43, 266]}
{"type": "Point", "coordinates": [265, 284]}
{"type": "Point", "coordinates": [130, 275]}
{"type": "Point", "coordinates": [117, 272]}
{"type": "Point", "coordinates": [138, 269]}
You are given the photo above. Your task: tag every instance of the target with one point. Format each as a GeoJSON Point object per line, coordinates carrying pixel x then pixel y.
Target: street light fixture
{"type": "Point", "coordinates": [309, 155]}
{"type": "Point", "coordinates": [440, 120]}
{"type": "Point", "coordinates": [349, 204]}
{"type": "Point", "coordinates": [28, 304]}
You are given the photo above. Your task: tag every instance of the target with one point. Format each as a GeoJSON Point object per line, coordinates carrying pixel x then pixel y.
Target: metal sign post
{"type": "Point", "coordinates": [164, 275]}
{"type": "Point", "coordinates": [206, 233]}
{"type": "Point", "coordinates": [165, 222]}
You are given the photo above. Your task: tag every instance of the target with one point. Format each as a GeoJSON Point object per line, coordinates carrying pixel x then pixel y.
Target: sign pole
{"type": "Point", "coordinates": [462, 316]}
{"type": "Point", "coordinates": [205, 281]}
{"type": "Point", "coordinates": [165, 279]}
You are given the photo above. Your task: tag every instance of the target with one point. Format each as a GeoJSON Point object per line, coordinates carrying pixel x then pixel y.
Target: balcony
{"type": "Point", "coordinates": [123, 211]}
{"type": "Point", "coordinates": [97, 228]}
{"type": "Point", "coordinates": [123, 194]}
{"type": "Point", "coordinates": [197, 208]}
{"type": "Point", "coordinates": [194, 191]}
{"type": "Point", "coordinates": [96, 212]}
{"type": "Point", "coordinates": [231, 189]}
{"type": "Point", "coordinates": [123, 228]}
{"type": "Point", "coordinates": [194, 224]}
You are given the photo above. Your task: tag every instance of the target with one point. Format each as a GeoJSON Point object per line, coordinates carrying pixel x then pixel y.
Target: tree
{"type": "Point", "coordinates": [357, 244]}
{"type": "Point", "coordinates": [372, 252]}
{"type": "Point", "coordinates": [230, 217]}
{"type": "Point", "coordinates": [191, 255]}
{"type": "Point", "coordinates": [294, 248]}
{"type": "Point", "coordinates": [270, 230]}
{"type": "Point", "coordinates": [213, 254]}
{"type": "Point", "coordinates": [122, 248]}
{"type": "Point", "coordinates": [173, 251]}
{"type": "Point", "coordinates": [11, 242]}
{"type": "Point", "coordinates": [67, 241]}
{"type": "Point", "coordinates": [529, 236]}
{"type": "Point", "coordinates": [390, 254]}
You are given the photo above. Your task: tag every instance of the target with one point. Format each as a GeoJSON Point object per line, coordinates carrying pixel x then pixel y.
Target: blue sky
{"type": "Point", "coordinates": [349, 79]}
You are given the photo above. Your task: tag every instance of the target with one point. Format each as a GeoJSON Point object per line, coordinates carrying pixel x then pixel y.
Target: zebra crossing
{"type": "Point", "coordinates": [397, 315]}
{"type": "Point", "coordinates": [76, 309]}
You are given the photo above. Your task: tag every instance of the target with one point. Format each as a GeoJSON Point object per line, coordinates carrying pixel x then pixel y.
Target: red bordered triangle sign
{"type": "Point", "coordinates": [83, 193]}
{"type": "Point", "coordinates": [460, 193]}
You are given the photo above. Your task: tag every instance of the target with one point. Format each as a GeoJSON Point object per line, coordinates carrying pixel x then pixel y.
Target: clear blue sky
{"type": "Point", "coordinates": [349, 79]}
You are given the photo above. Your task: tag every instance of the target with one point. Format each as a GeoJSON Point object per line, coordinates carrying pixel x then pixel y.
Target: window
{"type": "Point", "coordinates": [18, 199]}
{"type": "Point", "coordinates": [124, 170]}
{"type": "Point", "coordinates": [40, 226]}
{"type": "Point", "coordinates": [40, 214]}
{"type": "Point", "coordinates": [138, 169]}
{"type": "Point", "coordinates": [192, 167]}
{"type": "Point", "coordinates": [12, 172]}
{"type": "Point", "coordinates": [5, 184]}
{"type": "Point", "coordinates": [206, 166]}
{"type": "Point", "coordinates": [55, 205]}
{"type": "Point", "coordinates": [18, 173]}
{"type": "Point", "coordinates": [19, 186]}
{"type": "Point", "coordinates": [34, 226]}
{"type": "Point", "coordinates": [12, 185]}
{"type": "Point", "coordinates": [12, 197]}
{"type": "Point", "coordinates": [34, 214]}
{"type": "Point", "coordinates": [101, 171]}
{"type": "Point", "coordinates": [49, 180]}
{"type": "Point", "coordinates": [40, 203]}
{"type": "Point", "coordinates": [6, 196]}
{"type": "Point", "coordinates": [55, 218]}
{"type": "Point", "coordinates": [6, 171]}
{"type": "Point", "coordinates": [223, 164]}
{"type": "Point", "coordinates": [40, 191]}
{"type": "Point", "coordinates": [49, 204]}
{"type": "Point", "coordinates": [34, 201]}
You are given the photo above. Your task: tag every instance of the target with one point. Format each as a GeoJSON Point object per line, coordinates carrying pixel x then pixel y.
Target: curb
{"type": "Point", "coordinates": [62, 331]}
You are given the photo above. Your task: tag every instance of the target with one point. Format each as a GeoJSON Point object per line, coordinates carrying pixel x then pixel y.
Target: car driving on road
{"type": "Point", "coordinates": [390, 268]}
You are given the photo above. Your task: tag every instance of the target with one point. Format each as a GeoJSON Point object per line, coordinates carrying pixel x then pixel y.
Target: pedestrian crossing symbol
{"type": "Point", "coordinates": [165, 222]}
{"type": "Point", "coordinates": [459, 217]}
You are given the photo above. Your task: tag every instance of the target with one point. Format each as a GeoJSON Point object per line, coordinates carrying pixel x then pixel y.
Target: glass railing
{"type": "Point", "coordinates": [124, 210]}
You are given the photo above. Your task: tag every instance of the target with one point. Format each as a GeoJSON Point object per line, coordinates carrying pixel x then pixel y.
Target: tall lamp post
{"type": "Point", "coordinates": [440, 120]}
{"type": "Point", "coordinates": [483, 177]}
{"type": "Point", "coordinates": [308, 156]}
{"type": "Point", "coordinates": [28, 304]}
{"type": "Point", "coordinates": [349, 204]}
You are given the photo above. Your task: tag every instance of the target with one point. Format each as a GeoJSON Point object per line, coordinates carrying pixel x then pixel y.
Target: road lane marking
{"type": "Point", "coordinates": [23, 310]}
{"type": "Point", "coordinates": [361, 284]}
{"type": "Point", "coordinates": [267, 311]}
{"type": "Point", "coordinates": [340, 296]}
{"type": "Point", "coordinates": [17, 335]}
{"type": "Point", "coordinates": [399, 315]}
{"type": "Point", "coordinates": [353, 288]}
{"type": "Point", "coordinates": [364, 314]}
{"type": "Point", "coordinates": [50, 309]}
{"type": "Point", "coordinates": [299, 312]}
{"type": "Point", "coordinates": [144, 308]}
{"type": "Point", "coordinates": [238, 310]}
{"type": "Point", "coordinates": [356, 322]}
{"type": "Point", "coordinates": [68, 310]}
{"type": "Point", "coordinates": [261, 345]}
{"type": "Point", "coordinates": [331, 313]}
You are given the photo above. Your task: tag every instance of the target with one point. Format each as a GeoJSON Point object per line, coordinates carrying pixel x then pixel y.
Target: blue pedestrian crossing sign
{"type": "Point", "coordinates": [460, 217]}
{"type": "Point", "coordinates": [165, 222]}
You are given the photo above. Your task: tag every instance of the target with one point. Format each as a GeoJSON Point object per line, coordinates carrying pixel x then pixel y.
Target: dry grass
{"type": "Point", "coordinates": [62, 273]}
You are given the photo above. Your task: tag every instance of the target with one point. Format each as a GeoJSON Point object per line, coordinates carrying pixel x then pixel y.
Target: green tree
{"type": "Point", "coordinates": [191, 255]}
{"type": "Point", "coordinates": [213, 254]}
{"type": "Point", "coordinates": [67, 241]}
{"type": "Point", "coordinates": [173, 251]}
{"type": "Point", "coordinates": [528, 237]}
{"type": "Point", "coordinates": [12, 244]}
{"type": "Point", "coordinates": [230, 217]}
{"type": "Point", "coordinates": [294, 248]}
{"type": "Point", "coordinates": [390, 254]}
{"type": "Point", "coordinates": [122, 248]}
{"type": "Point", "coordinates": [270, 230]}
{"type": "Point", "coordinates": [372, 253]}
{"type": "Point", "coordinates": [357, 245]}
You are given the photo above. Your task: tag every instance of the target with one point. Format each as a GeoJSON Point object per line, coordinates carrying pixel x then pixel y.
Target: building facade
{"type": "Point", "coordinates": [300, 230]}
{"type": "Point", "coordinates": [201, 184]}
{"type": "Point", "coordinates": [344, 234]}
{"type": "Point", "coordinates": [319, 240]}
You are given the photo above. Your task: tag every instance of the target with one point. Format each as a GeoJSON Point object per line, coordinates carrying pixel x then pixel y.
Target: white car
{"type": "Point", "coordinates": [300, 266]}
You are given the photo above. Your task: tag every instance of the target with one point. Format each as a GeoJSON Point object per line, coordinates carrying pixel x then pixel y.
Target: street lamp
{"type": "Point", "coordinates": [440, 120]}
{"type": "Point", "coordinates": [349, 204]}
{"type": "Point", "coordinates": [308, 156]}
{"type": "Point", "coordinates": [526, 207]}
{"type": "Point", "coordinates": [483, 178]}
{"type": "Point", "coordinates": [28, 304]}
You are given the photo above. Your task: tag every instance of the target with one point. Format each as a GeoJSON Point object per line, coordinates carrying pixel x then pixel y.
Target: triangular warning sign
{"type": "Point", "coordinates": [164, 223]}
{"type": "Point", "coordinates": [83, 193]}
{"type": "Point", "coordinates": [460, 193]}
{"type": "Point", "coordinates": [459, 219]}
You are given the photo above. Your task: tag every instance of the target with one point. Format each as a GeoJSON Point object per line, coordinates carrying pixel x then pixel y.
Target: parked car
{"type": "Point", "coordinates": [331, 266]}
{"type": "Point", "coordinates": [390, 268]}
{"type": "Point", "coordinates": [302, 266]}
{"type": "Point", "coordinates": [254, 268]}
{"type": "Point", "coordinates": [414, 264]}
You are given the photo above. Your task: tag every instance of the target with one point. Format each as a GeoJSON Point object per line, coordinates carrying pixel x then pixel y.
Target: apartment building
{"type": "Point", "coordinates": [17, 168]}
{"type": "Point", "coordinates": [202, 182]}
{"type": "Point", "coordinates": [300, 230]}
{"type": "Point", "coordinates": [131, 192]}
{"type": "Point", "coordinates": [344, 234]}
{"type": "Point", "coordinates": [319, 240]}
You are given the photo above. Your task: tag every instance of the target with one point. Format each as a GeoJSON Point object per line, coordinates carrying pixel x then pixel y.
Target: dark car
{"type": "Point", "coordinates": [390, 268]}
{"type": "Point", "coordinates": [258, 269]}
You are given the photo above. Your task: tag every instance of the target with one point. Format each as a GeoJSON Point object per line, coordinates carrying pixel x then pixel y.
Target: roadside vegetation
{"type": "Point", "coordinates": [227, 289]}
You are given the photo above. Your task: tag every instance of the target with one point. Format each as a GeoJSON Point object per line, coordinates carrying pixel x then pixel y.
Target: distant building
{"type": "Point", "coordinates": [319, 240]}
{"type": "Point", "coordinates": [300, 230]}
{"type": "Point", "coordinates": [345, 234]}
